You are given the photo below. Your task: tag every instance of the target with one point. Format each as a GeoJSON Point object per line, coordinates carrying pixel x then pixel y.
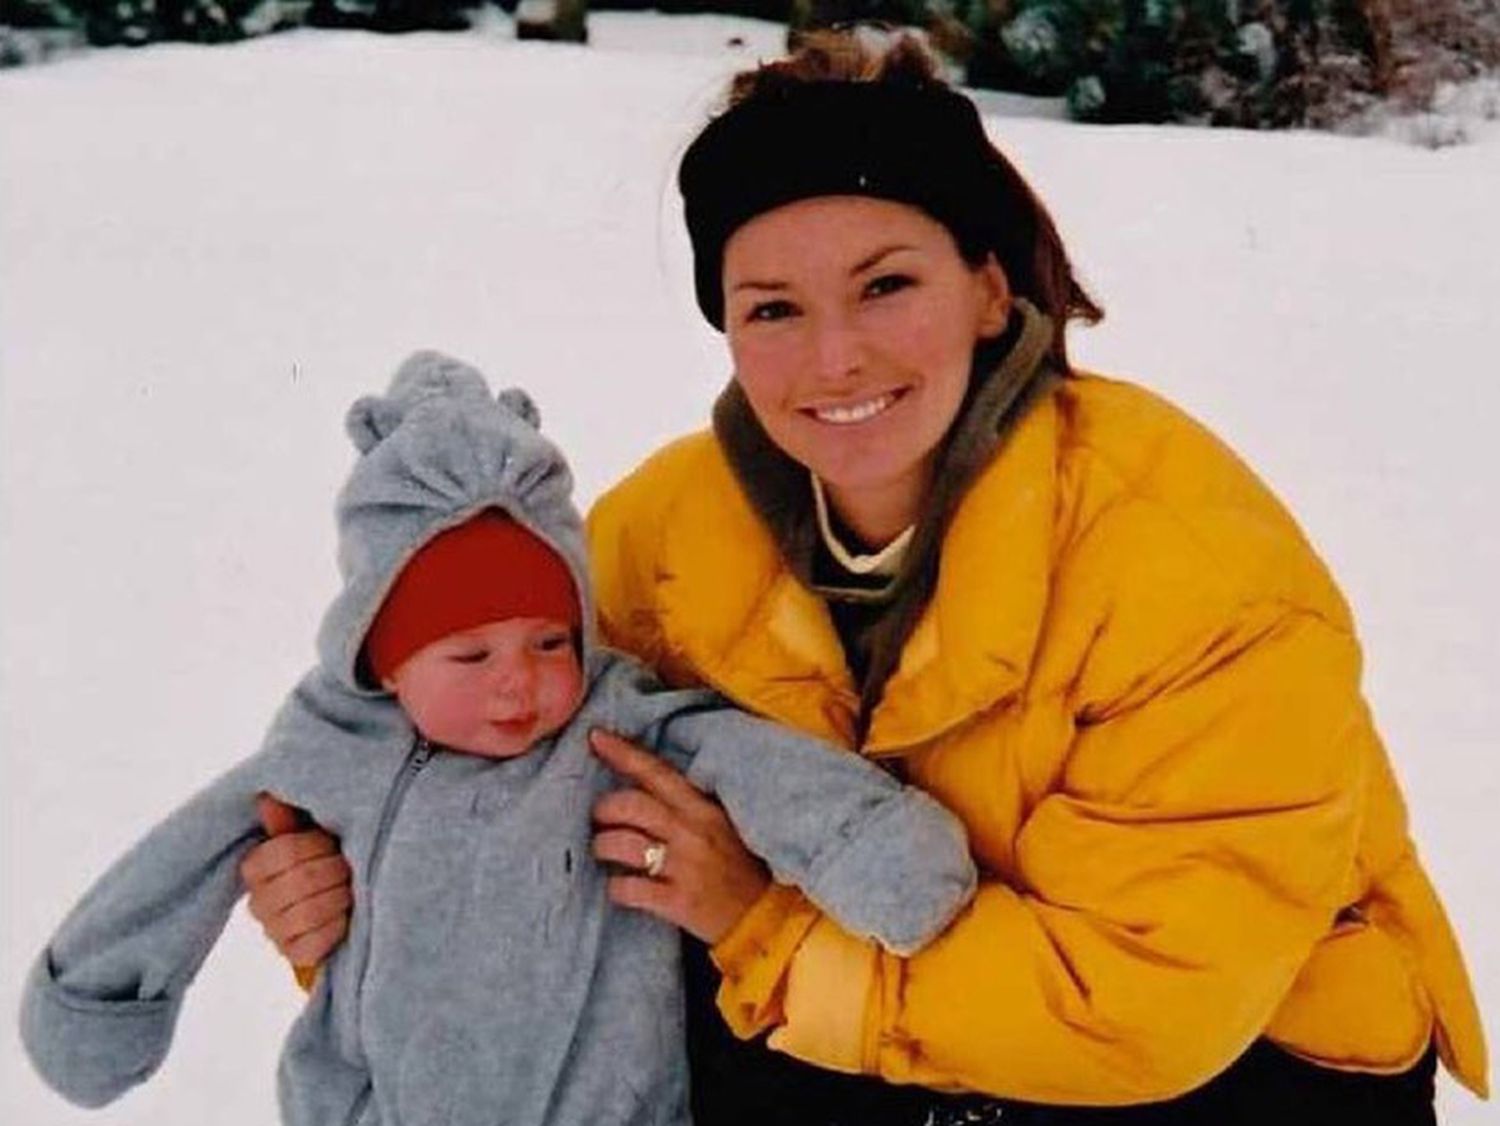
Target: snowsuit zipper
{"type": "Point", "coordinates": [417, 758]}
{"type": "Point", "coordinates": [356, 1112]}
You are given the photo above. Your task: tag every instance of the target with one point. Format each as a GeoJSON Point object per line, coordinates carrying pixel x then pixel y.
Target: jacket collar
{"type": "Point", "coordinates": [734, 578]}
{"type": "Point", "coordinates": [973, 643]}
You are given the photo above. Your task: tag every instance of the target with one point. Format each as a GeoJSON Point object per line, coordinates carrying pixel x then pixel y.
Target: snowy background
{"type": "Point", "coordinates": [205, 254]}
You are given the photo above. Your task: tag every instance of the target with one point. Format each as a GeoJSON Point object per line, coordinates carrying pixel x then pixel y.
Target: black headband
{"type": "Point", "coordinates": [921, 144]}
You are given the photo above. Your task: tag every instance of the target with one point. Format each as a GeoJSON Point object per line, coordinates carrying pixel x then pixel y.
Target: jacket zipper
{"type": "Point", "coordinates": [358, 1109]}
{"type": "Point", "coordinates": [416, 759]}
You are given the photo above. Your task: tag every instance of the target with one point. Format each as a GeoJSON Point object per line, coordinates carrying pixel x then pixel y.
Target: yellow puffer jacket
{"type": "Point", "coordinates": [1139, 688]}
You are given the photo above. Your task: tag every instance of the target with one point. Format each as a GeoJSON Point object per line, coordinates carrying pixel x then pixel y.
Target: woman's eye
{"type": "Point", "coordinates": [888, 283]}
{"type": "Point", "coordinates": [771, 311]}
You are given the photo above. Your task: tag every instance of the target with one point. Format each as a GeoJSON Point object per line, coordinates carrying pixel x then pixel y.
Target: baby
{"type": "Point", "coordinates": [443, 735]}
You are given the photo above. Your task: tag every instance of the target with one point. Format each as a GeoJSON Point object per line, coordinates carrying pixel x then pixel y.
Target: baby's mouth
{"type": "Point", "coordinates": [514, 726]}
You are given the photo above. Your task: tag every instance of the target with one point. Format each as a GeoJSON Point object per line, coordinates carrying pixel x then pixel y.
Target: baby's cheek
{"type": "Point", "coordinates": [563, 695]}
{"type": "Point", "coordinates": [449, 718]}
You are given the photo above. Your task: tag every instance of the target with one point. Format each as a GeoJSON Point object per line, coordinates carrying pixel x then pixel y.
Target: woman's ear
{"type": "Point", "coordinates": [994, 298]}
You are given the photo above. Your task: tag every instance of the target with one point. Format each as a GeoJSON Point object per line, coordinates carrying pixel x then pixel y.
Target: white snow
{"type": "Point", "coordinates": [1461, 112]}
{"type": "Point", "coordinates": [205, 254]}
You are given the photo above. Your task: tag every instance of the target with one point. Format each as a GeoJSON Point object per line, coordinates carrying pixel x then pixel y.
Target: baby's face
{"type": "Point", "coordinates": [493, 690]}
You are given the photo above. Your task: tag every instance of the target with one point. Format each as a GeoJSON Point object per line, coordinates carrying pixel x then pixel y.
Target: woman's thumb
{"type": "Point", "coordinates": [276, 817]}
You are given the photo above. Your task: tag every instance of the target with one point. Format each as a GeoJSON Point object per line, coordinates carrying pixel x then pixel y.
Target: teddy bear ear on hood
{"type": "Point", "coordinates": [370, 420]}
{"type": "Point", "coordinates": [519, 404]}
{"type": "Point", "coordinates": [423, 375]}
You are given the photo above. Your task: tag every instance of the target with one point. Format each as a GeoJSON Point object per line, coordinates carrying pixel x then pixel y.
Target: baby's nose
{"type": "Point", "coordinates": [513, 681]}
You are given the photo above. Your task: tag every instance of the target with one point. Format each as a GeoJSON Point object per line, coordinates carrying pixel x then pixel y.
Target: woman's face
{"type": "Point", "coordinates": [852, 323]}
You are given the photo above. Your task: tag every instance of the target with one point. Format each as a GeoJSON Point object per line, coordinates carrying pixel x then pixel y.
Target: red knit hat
{"type": "Point", "coordinates": [486, 569]}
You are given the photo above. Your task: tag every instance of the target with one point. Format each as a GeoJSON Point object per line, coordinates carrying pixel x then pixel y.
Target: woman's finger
{"type": "Point", "coordinates": [638, 810]}
{"type": "Point", "coordinates": [280, 854]}
{"type": "Point", "coordinates": [707, 879]}
{"type": "Point", "coordinates": [313, 877]}
{"type": "Point", "coordinates": [311, 948]}
{"type": "Point", "coordinates": [300, 886]}
{"type": "Point", "coordinates": [305, 915]}
{"type": "Point", "coordinates": [655, 897]}
{"type": "Point", "coordinates": [624, 847]}
{"type": "Point", "coordinates": [312, 914]}
{"type": "Point", "coordinates": [277, 817]}
{"type": "Point", "coordinates": [649, 771]}
{"type": "Point", "coordinates": [287, 893]}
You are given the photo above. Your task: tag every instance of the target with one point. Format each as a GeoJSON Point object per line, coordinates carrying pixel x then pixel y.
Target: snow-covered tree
{"type": "Point", "coordinates": [136, 22]}
{"type": "Point", "coordinates": [1241, 62]}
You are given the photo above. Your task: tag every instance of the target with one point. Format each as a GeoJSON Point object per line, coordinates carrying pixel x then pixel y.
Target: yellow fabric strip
{"type": "Point", "coordinates": [754, 955]}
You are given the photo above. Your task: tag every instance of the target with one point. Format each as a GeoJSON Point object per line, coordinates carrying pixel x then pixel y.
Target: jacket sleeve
{"type": "Point", "coordinates": [101, 1002]}
{"type": "Point", "coordinates": [1166, 892]}
{"type": "Point", "coordinates": [884, 859]}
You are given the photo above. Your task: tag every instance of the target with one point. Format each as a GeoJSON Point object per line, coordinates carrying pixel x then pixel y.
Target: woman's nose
{"type": "Point", "coordinates": [837, 348]}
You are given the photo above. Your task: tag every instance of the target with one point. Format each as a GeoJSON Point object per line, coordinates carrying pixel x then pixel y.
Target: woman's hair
{"type": "Point", "coordinates": [1015, 225]}
{"type": "Point", "coordinates": [858, 54]}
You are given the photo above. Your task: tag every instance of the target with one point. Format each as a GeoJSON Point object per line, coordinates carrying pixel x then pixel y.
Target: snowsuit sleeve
{"type": "Point", "coordinates": [884, 859]}
{"type": "Point", "coordinates": [101, 1002]}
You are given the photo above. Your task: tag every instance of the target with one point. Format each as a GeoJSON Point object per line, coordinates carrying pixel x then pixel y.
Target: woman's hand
{"type": "Point", "coordinates": [706, 879]}
{"type": "Point", "coordinates": [298, 884]}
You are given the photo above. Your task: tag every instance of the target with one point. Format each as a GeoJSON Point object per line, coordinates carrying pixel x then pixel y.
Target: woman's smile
{"type": "Point", "coordinates": [858, 411]}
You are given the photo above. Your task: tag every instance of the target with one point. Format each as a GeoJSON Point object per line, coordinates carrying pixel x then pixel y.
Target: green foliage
{"type": "Point", "coordinates": [804, 15]}
{"type": "Point", "coordinates": [391, 15]}
{"type": "Point", "coordinates": [135, 22]}
{"type": "Point", "coordinates": [1244, 62]}
{"type": "Point", "coordinates": [1114, 59]}
{"type": "Point", "coordinates": [778, 11]}
{"type": "Point", "coordinates": [35, 14]}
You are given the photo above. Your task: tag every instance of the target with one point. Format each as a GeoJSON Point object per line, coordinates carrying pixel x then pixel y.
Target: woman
{"type": "Point", "coordinates": [1048, 598]}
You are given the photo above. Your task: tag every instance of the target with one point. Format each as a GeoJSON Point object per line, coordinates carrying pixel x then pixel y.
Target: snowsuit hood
{"type": "Point", "coordinates": [434, 450]}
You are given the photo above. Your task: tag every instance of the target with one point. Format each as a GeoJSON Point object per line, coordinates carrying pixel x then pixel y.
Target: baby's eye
{"type": "Point", "coordinates": [470, 656]}
{"type": "Point", "coordinates": [553, 642]}
{"type": "Point", "coordinates": [888, 283]}
{"type": "Point", "coordinates": [771, 311]}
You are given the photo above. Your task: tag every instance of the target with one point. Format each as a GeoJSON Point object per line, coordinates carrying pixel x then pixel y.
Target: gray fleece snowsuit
{"type": "Point", "coordinates": [485, 979]}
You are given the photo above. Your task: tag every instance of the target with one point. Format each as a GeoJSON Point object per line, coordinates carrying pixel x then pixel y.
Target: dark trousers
{"type": "Point", "coordinates": [736, 1083]}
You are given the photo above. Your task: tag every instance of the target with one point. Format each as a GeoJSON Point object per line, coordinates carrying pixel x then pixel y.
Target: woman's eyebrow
{"type": "Point", "coordinates": [858, 268]}
{"type": "Point", "coordinates": [770, 286]}
{"type": "Point", "coordinates": [866, 263]}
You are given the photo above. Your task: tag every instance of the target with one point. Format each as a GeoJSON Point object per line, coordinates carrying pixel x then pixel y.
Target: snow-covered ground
{"type": "Point", "coordinates": [205, 254]}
